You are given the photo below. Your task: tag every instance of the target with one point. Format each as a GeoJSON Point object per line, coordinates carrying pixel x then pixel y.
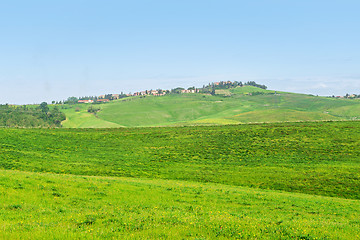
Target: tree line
{"type": "Point", "coordinates": [211, 87]}
{"type": "Point", "coordinates": [30, 116]}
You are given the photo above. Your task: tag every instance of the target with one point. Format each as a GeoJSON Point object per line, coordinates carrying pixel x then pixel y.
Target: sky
{"type": "Point", "coordinates": [52, 50]}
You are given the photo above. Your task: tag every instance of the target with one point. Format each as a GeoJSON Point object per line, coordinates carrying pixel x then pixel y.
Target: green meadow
{"type": "Point", "coordinates": [53, 206]}
{"type": "Point", "coordinates": [229, 106]}
{"type": "Point", "coordinates": [266, 181]}
{"type": "Point", "coordinates": [77, 116]}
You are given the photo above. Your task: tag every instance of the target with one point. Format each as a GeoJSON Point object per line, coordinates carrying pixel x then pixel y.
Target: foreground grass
{"type": "Point", "coordinates": [314, 158]}
{"type": "Point", "coordinates": [50, 206]}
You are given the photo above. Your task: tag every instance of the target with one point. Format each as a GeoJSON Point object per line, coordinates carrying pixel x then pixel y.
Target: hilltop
{"type": "Point", "coordinates": [233, 105]}
{"type": "Point", "coordinates": [218, 103]}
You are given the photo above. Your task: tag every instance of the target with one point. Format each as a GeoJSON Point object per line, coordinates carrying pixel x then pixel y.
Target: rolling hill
{"type": "Point", "coordinates": [239, 105]}
{"type": "Point", "coordinates": [254, 181]}
{"type": "Point", "coordinates": [288, 180]}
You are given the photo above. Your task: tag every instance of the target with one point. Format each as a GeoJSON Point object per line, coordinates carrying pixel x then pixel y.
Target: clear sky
{"type": "Point", "coordinates": [51, 50]}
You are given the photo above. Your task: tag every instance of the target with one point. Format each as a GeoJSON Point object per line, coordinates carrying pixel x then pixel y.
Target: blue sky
{"type": "Point", "coordinates": [50, 50]}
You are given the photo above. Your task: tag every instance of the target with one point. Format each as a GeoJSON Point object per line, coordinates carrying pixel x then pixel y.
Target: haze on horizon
{"type": "Point", "coordinates": [53, 50]}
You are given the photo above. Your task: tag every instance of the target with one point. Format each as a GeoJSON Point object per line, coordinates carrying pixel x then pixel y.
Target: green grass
{"type": "Point", "coordinates": [50, 206]}
{"type": "Point", "coordinates": [313, 158]}
{"type": "Point", "coordinates": [77, 116]}
{"type": "Point", "coordinates": [249, 89]}
{"type": "Point", "coordinates": [254, 181]}
{"type": "Point", "coordinates": [231, 106]}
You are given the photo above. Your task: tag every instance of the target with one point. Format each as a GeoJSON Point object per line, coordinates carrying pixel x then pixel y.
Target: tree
{"type": "Point", "coordinates": [71, 100]}
{"type": "Point", "coordinates": [44, 107]}
{"type": "Point", "coordinates": [253, 83]}
{"type": "Point", "coordinates": [177, 90]}
{"type": "Point", "coordinates": [213, 90]}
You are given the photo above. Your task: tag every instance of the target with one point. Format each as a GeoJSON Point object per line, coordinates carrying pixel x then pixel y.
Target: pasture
{"type": "Point", "coordinates": [58, 206]}
{"type": "Point", "coordinates": [265, 181]}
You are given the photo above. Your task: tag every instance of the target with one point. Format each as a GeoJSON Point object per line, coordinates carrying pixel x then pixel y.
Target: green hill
{"type": "Point", "coordinates": [229, 106]}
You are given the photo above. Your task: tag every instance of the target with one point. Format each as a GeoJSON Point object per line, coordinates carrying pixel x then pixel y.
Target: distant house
{"type": "Point", "coordinates": [103, 100]}
{"type": "Point", "coordinates": [115, 96]}
{"type": "Point", "coordinates": [189, 91]}
{"type": "Point", "coordinates": [101, 96]}
{"type": "Point", "coordinates": [85, 101]}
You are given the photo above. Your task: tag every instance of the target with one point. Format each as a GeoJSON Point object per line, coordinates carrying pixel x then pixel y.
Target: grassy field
{"type": "Point", "coordinates": [264, 181]}
{"type": "Point", "coordinates": [77, 116]}
{"type": "Point", "coordinates": [229, 106]}
{"type": "Point", "coordinates": [315, 158]}
{"type": "Point", "coordinates": [50, 206]}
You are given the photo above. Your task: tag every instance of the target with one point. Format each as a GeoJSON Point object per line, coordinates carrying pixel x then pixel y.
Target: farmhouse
{"type": "Point", "coordinates": [85, 101]}
{"type": "Point", "coordinates": [103, 100]}
{"type": "Point", "coordinates": [161, 94]}
{"type": "Point", "coordinates": [115, 96]}
{"type": "Point", "coordinates": [190, 91]}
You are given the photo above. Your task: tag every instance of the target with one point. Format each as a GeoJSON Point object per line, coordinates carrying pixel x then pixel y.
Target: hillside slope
{"type": "Point", "coordinates": [231, 106]}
